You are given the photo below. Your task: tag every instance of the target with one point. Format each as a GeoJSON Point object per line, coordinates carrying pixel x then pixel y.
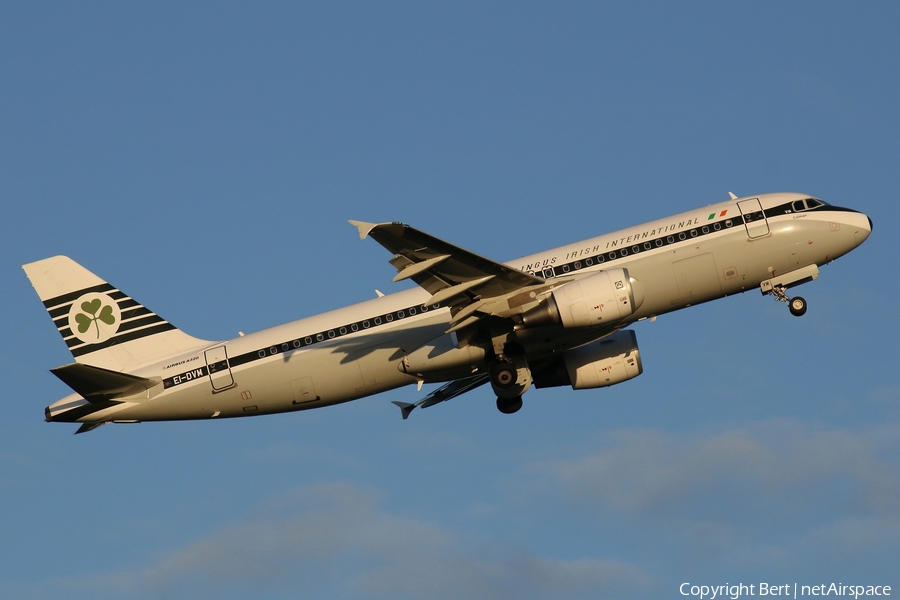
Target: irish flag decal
{"type": "Point", "coordinates": [713, 215]}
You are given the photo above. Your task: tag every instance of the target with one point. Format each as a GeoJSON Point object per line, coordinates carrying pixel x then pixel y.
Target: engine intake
{"type": "Point", "coordinates": [598, 299]}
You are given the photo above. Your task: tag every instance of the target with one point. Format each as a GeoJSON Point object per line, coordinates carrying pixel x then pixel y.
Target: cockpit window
{"type": "Point", "coordinates": [808, 204]}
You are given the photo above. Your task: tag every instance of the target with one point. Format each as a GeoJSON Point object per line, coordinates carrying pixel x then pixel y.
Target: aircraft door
{"type": "Point", "coordinates": [754, 218]}
{"type": "Point", "coordinates": [219, 369]}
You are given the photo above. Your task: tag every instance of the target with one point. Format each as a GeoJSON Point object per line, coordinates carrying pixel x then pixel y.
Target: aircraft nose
{"type": "Point", "coordinates": [863, 230]}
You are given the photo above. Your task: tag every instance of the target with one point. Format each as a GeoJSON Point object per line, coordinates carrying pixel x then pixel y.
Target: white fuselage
{"type": "Point", "coordinates": [356, 351]}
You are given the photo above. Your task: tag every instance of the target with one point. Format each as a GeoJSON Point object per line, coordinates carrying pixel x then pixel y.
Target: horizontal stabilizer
{"type": "Point", "coordinates": [85, 427]}
{"type": "Point", "coordinates": [95, 384]}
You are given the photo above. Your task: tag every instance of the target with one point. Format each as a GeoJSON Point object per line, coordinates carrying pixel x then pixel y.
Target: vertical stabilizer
{"type": "Point", "coordinates": [101, 325]}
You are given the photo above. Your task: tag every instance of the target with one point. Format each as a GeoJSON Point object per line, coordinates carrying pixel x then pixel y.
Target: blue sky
{"type": "Point", "coordinates": [205, 157]}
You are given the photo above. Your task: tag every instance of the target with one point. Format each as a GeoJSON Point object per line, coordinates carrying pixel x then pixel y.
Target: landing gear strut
{"type": "Point", "coordinates": [796, 305]}
{"type": "Point", "coordinates": [509, 405]}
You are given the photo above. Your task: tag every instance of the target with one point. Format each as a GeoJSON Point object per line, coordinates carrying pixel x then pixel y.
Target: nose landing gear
{"type": "Point", "coordinates": [796, 305]}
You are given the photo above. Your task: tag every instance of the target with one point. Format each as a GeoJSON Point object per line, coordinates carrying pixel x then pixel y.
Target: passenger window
{"type": "Point", "coordinates": [693, 233]}
{"type": "Point", "coordinates": [623, 252]}
{"type": "Point", "coordinates": [635, 249]}
{"type": "Point", "coordinates": [705, 229]}
{"type": "Point", "coordinates": [682, 236]}
{"type": "Point", "coordinates": [659, 243]}
{"type": "Point", "coordinates": [343, 331]}
{"type": "Point", "coordinates": [717, 226]}
{"type": "Point", "coordinates": [671, 239]}
{"type": "Point", "coordinates": [589, 262]}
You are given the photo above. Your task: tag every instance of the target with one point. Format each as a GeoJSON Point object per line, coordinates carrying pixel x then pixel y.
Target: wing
{"type": "Point", "coordinates": [472, 285]}
{"type": "Point", "coordinates": [445, 392]}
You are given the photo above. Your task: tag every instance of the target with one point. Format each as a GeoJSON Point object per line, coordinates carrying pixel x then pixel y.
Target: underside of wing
{"type": "Point", "coordinates": [444, 393]}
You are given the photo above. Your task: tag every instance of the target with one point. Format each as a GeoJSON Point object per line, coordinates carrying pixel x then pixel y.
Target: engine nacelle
{"type": "Point", "coordinates": [602, 363]}
{"type": "Point", "coordinates": [598, 299]}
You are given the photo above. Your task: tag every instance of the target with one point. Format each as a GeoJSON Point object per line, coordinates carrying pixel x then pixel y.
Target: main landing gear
{"type": "Point", "coordinates": [510, 378]}
{"type": "Point", "coordinates": [796, 305]}
{"type": "Point", "coordinates": [509, 405]}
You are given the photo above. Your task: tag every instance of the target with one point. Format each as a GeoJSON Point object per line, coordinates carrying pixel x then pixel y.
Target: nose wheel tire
{"type": "Point", "coordinates": [509, 405]}
{"type": "Point", "coordinates": [797, 306]}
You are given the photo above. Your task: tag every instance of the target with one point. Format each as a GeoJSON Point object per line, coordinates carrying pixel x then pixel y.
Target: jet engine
{"type": "Point", "coordinates": [598, 299]}
{"type": "Point", "coordinates": [602, 363]}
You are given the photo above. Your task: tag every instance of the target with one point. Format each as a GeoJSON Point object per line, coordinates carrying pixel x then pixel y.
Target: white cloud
{"type": "Point", "coordinates": [776, 494]}
{"type": "Point", "coordinates": [335, 540]}
{"type": "Point", "coordinates": [775, 468]}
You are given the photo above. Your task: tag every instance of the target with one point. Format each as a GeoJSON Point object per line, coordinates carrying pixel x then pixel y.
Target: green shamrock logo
{"type": "Point", "coordinates": [94, 314]}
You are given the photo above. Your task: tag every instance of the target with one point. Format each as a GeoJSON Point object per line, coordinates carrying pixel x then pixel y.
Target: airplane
{"type": "Point", "coordinates": [555, 318]}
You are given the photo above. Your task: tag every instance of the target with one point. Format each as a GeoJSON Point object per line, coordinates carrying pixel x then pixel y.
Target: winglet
{"type": "Point", "coordinates": [364, 228]}
{"type": "Point", "coordinates": [733, 197]}
{"type": "Point", "coordinates": [405, 408]}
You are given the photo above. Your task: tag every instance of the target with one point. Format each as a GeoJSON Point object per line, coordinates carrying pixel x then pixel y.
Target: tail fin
{"type": "Point", "coordinates": [102, 326]}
